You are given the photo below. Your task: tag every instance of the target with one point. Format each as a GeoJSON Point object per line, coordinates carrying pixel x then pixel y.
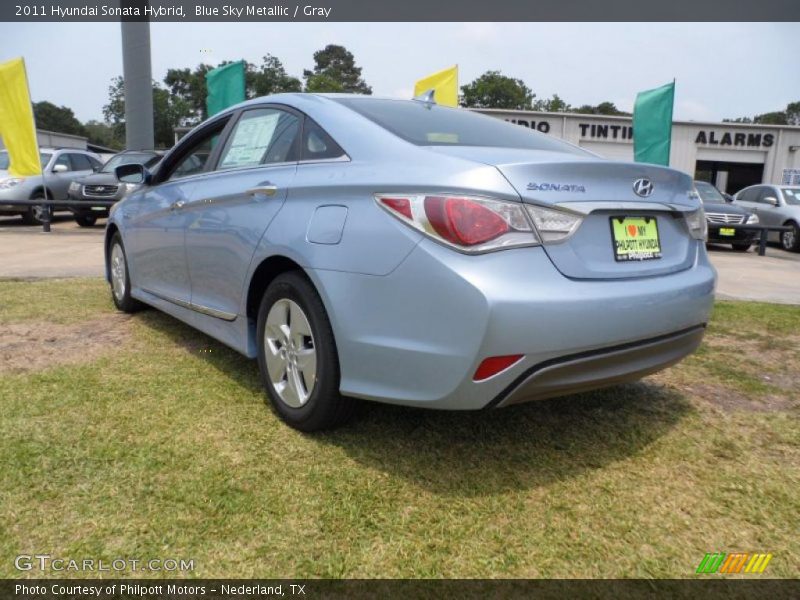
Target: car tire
{"type": "Point", "coordinates": [742, 247]}
{"type": "Point", "coordinates": [790, 240]}
{"type": "Point", "coordinates": [119, 278]}
{"type": "Point", "coordinates": [297, 356]}
{"type": "Point", "coordinates": [86, 220]}
{"type": "Point", "coordinates": [33, 216]}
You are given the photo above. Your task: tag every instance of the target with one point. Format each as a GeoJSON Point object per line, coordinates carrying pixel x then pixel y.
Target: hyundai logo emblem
{"type": "Point", "coordinates": [643, 187]}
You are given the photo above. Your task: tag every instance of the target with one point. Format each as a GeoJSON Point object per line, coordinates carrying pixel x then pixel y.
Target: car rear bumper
{"type": "Point", "coordinates": [417, 335]}
{"type": "Point", "coordinates": [599, 368]}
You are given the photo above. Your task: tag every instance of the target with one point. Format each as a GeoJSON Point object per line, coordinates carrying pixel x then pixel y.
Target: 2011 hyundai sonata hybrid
{"type": "Point", "coordinates": [406, 252]}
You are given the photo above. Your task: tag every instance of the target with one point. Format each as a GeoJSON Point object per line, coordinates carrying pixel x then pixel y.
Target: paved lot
{"type": "Point", "coordinates": [73, 251]}
{"type": "Point", "coordinates": [67, 251]}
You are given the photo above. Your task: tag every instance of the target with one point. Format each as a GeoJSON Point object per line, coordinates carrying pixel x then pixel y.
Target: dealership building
{"type": "Point", "coordinates": [729, 155]}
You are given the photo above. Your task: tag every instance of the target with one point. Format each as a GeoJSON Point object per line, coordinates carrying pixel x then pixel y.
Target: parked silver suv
{"type": "Point", "coordinates": [60, 167]}
{"type": "Point", "coordinates": [775, 205]}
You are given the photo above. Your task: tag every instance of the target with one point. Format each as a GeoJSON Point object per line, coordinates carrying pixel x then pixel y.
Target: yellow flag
{"type": "Point", "coordinates": [445, 84]}
{"type": "Point", "coordinates": [16, 120]}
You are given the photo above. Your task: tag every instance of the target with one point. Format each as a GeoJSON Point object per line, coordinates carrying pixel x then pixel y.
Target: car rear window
{"type": "Point", "coordinates": [432, 125]}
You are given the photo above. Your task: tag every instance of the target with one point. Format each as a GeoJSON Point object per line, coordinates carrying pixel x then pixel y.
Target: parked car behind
{"type": "Point", "coordinates": [405, 252]}
{"type": "Point", "coordinates": [60, 167]}
{"type": "Point", "coordinates": [721, 213]}
{"type": "Point", "coordinates": [776, 205]}
{"type": "Point", "coordinates": [104, 185]}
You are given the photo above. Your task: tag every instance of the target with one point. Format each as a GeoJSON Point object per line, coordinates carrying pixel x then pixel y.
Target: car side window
{"type": "Point", "coordinates": [764, 192]}
{"type": "Point", "coordinates": [749, 195]}
{"type": "Point", "coordinates": [192, 160]}
{"type": "Point", "coordinates": [96, 164]}
{"type": "Point", "coordinates": [317, 144]}
{"type": "Point", "coordinates": [63, 159]}
{"type": "Point", "coordinates": [262, 136]}
{"type": "Point", "coordinates": [80, 162]}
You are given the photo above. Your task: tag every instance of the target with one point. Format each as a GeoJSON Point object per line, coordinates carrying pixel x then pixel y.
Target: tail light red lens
{"type": "Point", "coordinates": [462, 221]}
{"type": "Point", "coordinates": [494, 365]}
{"type": "Point", "coordinates": [470, 224]}
{"type": "Point", "coordinates": [399, 205]}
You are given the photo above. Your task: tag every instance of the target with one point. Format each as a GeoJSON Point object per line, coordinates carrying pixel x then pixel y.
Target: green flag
{"type": "Point", "coordinates": [652, 125]}
{"type": "Point", "coordinates": [225, 87]}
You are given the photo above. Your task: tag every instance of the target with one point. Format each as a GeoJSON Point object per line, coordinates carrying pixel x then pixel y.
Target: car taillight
{"type": "Point", "coordinates": [468, 223]}
{"type": "Point", "coordinates": [554, 225]}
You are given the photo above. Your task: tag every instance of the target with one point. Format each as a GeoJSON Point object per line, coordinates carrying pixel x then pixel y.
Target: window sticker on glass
{"type": "Point", "coordinates": [443, 138]}
{"type": "Point", "coordinates": [250, 140]}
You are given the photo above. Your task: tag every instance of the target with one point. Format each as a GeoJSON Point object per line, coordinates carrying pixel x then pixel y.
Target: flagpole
{"type": "Point", "coordinates": [46, 220]}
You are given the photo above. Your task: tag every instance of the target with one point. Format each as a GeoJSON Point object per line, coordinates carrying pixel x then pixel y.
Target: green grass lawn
{"type": "Point", "coordinates": [155, 442]}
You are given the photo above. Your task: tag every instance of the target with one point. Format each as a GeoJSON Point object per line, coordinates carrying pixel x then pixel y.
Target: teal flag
{"type": "Point", "coordinates": [225, 87]}
{"type": "Point", "coordinates": [652, 125]}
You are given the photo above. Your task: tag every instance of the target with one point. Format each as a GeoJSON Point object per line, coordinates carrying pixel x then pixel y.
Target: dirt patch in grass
{"type": "Point", "coordinates": [37, 345]}
{"type": "Point", "coordinates": [728, 399]}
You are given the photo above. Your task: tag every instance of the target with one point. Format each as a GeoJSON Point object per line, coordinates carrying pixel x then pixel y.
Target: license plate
{"type": "Point", "coordinates": [727, 231]}
{"type": "Point", "coordinates": [635, 238]}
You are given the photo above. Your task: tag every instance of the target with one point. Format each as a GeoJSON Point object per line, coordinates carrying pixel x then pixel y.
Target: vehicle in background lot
{"type": "Point", "coordinates": [721, 213]}
{"type": "Point", "coordinates": [775, 205]}
{"type": "Point", "coordinates": [60, 166]}
{"type": "Point", "coordinates": [411, 253]}
{"type": "Point", "coordinates": [104, 185]}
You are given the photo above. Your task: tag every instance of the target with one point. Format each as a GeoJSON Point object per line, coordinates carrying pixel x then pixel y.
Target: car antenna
{"type": "Point", "coordinates": [426, 97]}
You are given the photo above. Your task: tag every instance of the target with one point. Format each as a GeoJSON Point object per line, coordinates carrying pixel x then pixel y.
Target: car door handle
{"type": "Point", "coordinates": [177, 205]}
{"type": "Point", "coordinates": [263, 190]}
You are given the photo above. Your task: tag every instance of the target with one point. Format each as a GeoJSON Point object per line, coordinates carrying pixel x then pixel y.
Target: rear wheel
{"type": "Point", "coordinates": [790, 240]}
{"type": "Point", "coordinates": [120, 280]}
{"type": "Point", "coordinates": [297, 356]}
{"type": "Point", "coordinates": [85, 220]}
{"type": "Point", "coordinates": [741, 247]}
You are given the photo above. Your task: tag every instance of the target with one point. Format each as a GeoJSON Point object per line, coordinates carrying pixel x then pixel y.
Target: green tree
{"type": "Point", "coordinates": [272, 78]}
{"type": "Point", "coordinates": [495, 90]}
{"type": "Point", "coordinates": [190, 86]}
{"type": "Point", "coordinates": [554, 104]}
{"type": "Point", "coordinates": [102, 134]}
{"type": "Point", "coordinates": [335, 70]}
{"type": "Point", "coordinates": [789, 116]}
{"type": "Point", "coordinates": [793, 113]}
{"type": "Point", "coordinates": [57, 118]}
{"type": "Point", "coordinates": [777, 117]}
{"type": "Point", "coordinates": [604, 108]}
{"type": "Point", "coordinates": [169, 112]}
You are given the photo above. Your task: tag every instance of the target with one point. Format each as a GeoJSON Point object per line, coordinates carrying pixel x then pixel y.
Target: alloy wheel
{"type": "Point", "coordinates": [118, 272]}
{"type": "Point", "coordinates": [788, 238]}
{"type": "Point", "coordinates": [290, 353]}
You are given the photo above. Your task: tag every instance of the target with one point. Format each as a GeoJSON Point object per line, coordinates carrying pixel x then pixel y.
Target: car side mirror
{"type": "Point", "coordinates": [132, 173]}
{"type": "Point", "coordinates": [60, 169]}
{"type": "Point", "coordinates": [728, 197]}
{"type": "Point", "coordinates": [771, 200]}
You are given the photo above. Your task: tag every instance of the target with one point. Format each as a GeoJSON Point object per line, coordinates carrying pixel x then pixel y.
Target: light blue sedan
{"type": "Point", "coordinates": [404, 252]}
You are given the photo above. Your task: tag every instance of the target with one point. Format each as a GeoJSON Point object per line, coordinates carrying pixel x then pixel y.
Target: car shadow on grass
{"type": "Point", "coordinates": [475, 453]}
{"type": "Point", "coordinates": [519, 447]}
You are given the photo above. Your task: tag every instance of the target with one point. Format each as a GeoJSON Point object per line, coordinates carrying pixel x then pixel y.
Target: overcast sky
{"type": "Point", "coordinates": [722, 69]}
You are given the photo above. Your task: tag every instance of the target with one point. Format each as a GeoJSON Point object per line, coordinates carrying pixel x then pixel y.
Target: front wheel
{"type": "Point", "coordinates": [297, 356]}
{"type": "Point", "coordinates": [85, 220]}
{"type": "Point", "coordinates": [120, 280]}
{"type": "Point", "coordinates": [790, 240]}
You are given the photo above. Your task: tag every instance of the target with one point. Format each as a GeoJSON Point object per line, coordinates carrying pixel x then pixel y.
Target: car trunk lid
{"type": "Point", "coordinates": [600, 191]}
